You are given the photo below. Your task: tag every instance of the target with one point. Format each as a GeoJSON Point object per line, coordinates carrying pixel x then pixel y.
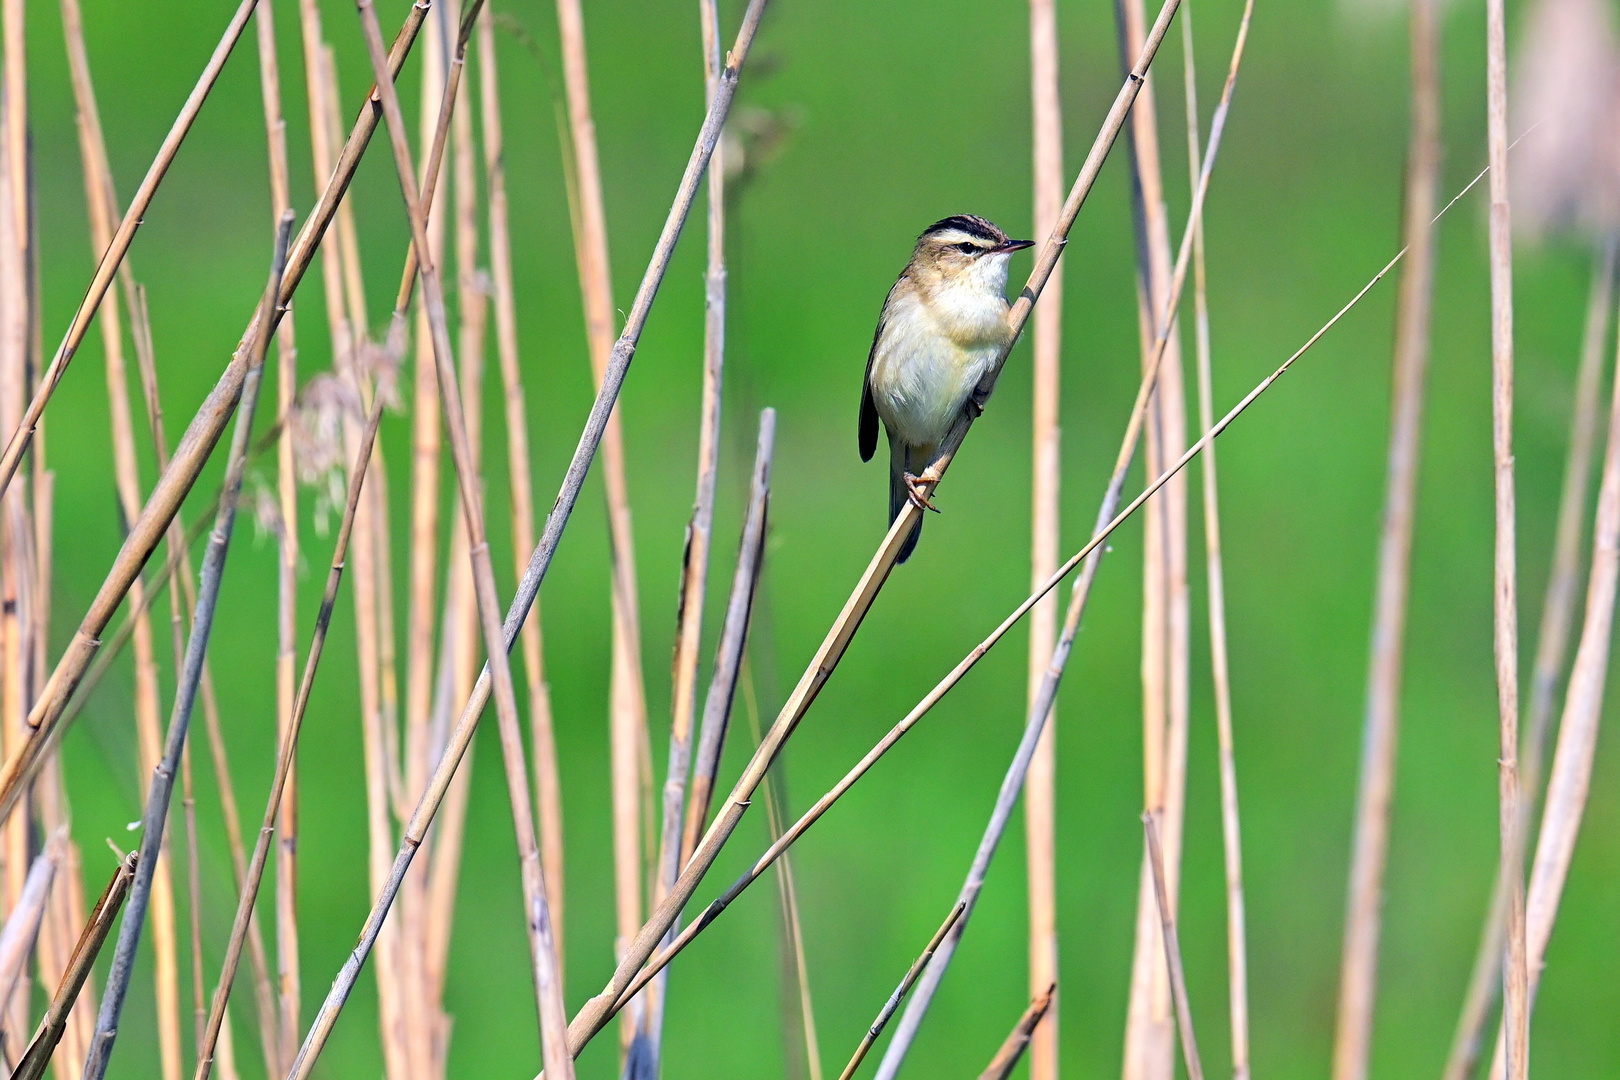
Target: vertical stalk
{"type": "Point", "coordinates": [1515, 979]}
{"type": "Point", "coordinates": [629, 711]}
{"type": "Point", "coordinates": [547, 786]}
{"type": "Point", "coordinates": [1040, 798]}
{"type": "Point", "coordinates": [1150, 1031]}
{"type": "Point", "coordinates": [1237, 963]}
{"type": "Point", "coordinates": [1358, 973]}
{"type": "Point", "coordinates": [284, 1040]}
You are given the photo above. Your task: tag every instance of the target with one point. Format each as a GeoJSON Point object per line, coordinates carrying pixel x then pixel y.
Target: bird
{"type": "Point", "coordinates": [941, 328]}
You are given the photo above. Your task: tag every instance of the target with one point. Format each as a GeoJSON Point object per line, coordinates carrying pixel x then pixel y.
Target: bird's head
{"type": "Point", "coordinates": [966, 250]}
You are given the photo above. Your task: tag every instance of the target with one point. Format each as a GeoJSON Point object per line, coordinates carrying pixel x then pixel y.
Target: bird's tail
{"type": "Point", "coordinates": [899, 495]}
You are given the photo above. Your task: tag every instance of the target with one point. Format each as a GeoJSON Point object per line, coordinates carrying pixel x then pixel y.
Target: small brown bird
{"type": "Point", "coordinates": [942, 326]}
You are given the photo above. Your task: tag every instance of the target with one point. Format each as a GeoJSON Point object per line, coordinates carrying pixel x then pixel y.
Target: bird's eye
{"type": "Point", "coordinates": [968, 249]}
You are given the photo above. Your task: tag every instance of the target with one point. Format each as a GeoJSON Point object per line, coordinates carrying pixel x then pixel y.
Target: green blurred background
{"type": "Point", "coordinates": [899, 113]}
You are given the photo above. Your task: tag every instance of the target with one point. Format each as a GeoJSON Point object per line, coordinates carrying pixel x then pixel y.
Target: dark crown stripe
{"type": "Point", "coordinates": [971, 224]}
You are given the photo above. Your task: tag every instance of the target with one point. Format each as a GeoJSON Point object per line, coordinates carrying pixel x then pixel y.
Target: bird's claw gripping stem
{"type": "Point", "coordinates": [918, 495]}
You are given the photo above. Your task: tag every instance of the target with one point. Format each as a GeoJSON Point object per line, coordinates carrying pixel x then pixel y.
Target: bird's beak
{"type": "Point", "coordinates": [1011, 246]}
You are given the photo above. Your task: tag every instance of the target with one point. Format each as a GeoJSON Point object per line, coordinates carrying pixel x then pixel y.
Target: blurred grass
{"type": "Point", "coordinates": [902, 113]}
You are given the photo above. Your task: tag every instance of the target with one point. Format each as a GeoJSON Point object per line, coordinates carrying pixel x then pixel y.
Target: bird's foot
{"type": "Point", "coordinates": [918, 495]}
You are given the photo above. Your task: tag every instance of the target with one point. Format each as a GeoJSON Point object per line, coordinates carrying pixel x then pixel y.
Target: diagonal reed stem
{"type": "Point", "coordinates": [1006, 1059]}
{"type": "Point", "coordinates": [886, 1013]}
{"type": "Point", "coordinates": [1172, 948]}
{"type": "Point", "coordinates": [102, 280]}
{"type": "Point", "coordinates": [155, 818]}
{"type": "Point", "coordinates": [51, 1029]}
{"type": "Point", "coordinates": [287, 749]}
{"type": "Point", "coordinates": [196, 445]}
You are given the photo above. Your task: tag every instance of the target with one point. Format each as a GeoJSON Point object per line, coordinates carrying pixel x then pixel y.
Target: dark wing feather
{"type": "Point", "coordinates": [869, 415]}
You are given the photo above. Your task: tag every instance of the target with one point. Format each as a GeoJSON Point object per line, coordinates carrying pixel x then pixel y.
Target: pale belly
{"type": "Point", "coordinates": [921, 379]}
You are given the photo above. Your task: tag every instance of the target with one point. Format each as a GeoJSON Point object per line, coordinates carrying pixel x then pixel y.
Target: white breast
{"type": "Point", "coordinates": [932, 354]}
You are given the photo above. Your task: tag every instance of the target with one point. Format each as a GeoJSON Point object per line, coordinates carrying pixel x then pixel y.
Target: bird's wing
{"type": "Point", "coordinates": [869, 415]}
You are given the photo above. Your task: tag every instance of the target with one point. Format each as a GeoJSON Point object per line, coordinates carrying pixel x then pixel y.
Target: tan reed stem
{"type": "Point", "coordinates": [54, 1026]}
{"type": "Point", "coordinates": [553, 1015]}
{"type": "Point", "coordinates": [1358, 972]}
{"type": "Point", "coordinates": [44, 720]}
{"type": "Point", "coordinates": [281, 1042]}
{"type": "Point", "coordinates": [17, 606]}
{"type": "Point", "coordinates": [101, 211]}
{"type": "Point", "coordinates": [155, 817]}
{"type": "Point", "coordinates": [1515, 991]}
{"type": "Point", "coordinates": [910, 980]}
{"type": "Point", "coordinates": [590, 1018]}
{"type": "Point", "coordinates": [20, 437]}
{"type": "Point", "coordinates": [1231, 827]}
{"type": "Point", "coordinates": [1006, 1059]}
{"type": "Point", "coordinates": [287, 747]}
{"type": "Point", "coordinates": [548, 788]}
{"type": "Point", "coordinates": [1149, 1036]}
{"type": "Point", "coordinates": [1571, 775]}
{"type": "Point", "coordinates": [188, 810]}
{"type": "Point", "coordinates": [24, 920]}
{"type": "Point", "coordinates": [628, 708]}
{"type": "Point", "coordinates": [699, 535]}
{"type": "Point", "coordinates": [1552, 648]}
{"type": "Point", "coordinates": [1040, 796]}
{"type": "Point", "coordinates": [1172, 948]}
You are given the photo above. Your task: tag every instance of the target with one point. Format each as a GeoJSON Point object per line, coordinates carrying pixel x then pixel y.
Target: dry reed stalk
{"type": "Point", "coordinates": [288, 744]}
{"type": "Point", "coordinates": [188, 811]}
{"type": "Point", "coordinates": [590, 1018]}
{"type": "Point", "coordinates": [1149, 1038]}
{"type": "Point", "coordinates": [548, 789]}
{"type": "Point", "coordinates": [23, 922]}
{"type": "Point", "coordinates": [54, 1026]}
{"type": "Point", "coordinates": [44, 721]}
{"type": "Point", "coordinates": [910, 980]}
{"type": "Point", "coordinates": [628, 722]}
{"type": "Point", "coordinates": [63, 913]}
{"type": "Point", "coordinates": [102, 211]}
{"type": "Point", "coordinates": [155, 816]}
{"type": "Point", "coordinates": [1552, 647]}
{"type": "Point", "coordinates": [717, 705]}
{"type": "Point", "coordinates": [1006, 1059]}
{"type": "Point", "coordinates": [18, 440]}
{"type": "Point", "coordinates": [539, 561]}
{"type": "Point", "coordinates": [1105, 528]}
{"type": "Point", "coordinates": [1040, 798]}
{"type": "Point", "coordinates": [1515, 989]}
{"type": "Point", "coordinates": [16, 607]}
{"type": "Point", "coordinates": [699, 536]}
{"type": "Point", "coordinates": [1172, 949]}
{"type": "Point", "coordinates": [282, 1042]}
{"type": "Point", "coordinates": [1571, 775]}
{"type": "Point", "coordinates": [553, 1015]}
{"type": "Point", "coordinates": [1231, 828]}
{"type": "Point", "coordinates": [1358, 972]}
